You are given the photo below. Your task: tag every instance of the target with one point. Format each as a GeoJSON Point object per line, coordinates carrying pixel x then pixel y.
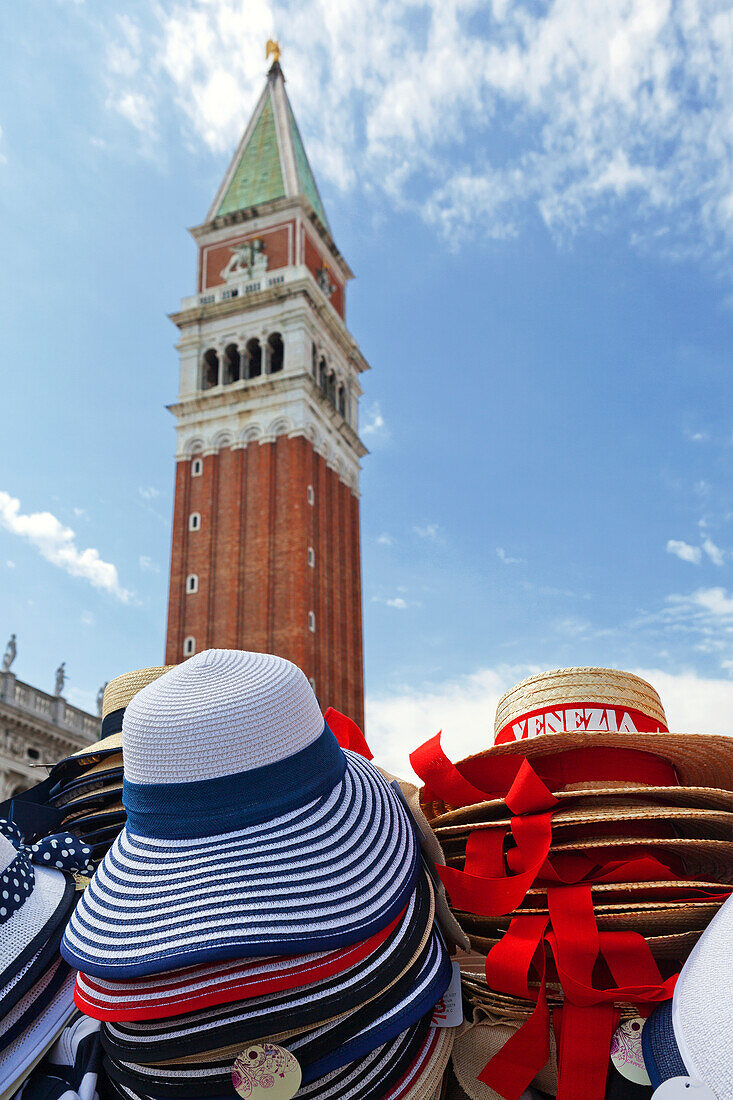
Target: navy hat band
{"type": "Point", "coordinates": [209, 807]}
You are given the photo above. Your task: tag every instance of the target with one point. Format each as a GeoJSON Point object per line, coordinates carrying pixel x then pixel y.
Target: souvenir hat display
{"type": "Point", "coordinates": [86, 788]}
{"type": "Point", "coordinates": [37, 894]}
{"type": "Point", "coordinates": [691, 1036]}
{"type": "Point", "coordinates": [268, 887]}
{"type": "Point", "coordinates": [586, 852]}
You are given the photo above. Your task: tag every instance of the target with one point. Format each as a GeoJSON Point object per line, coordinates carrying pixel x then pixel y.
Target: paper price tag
{"type": "Point", "coordinates": [449, 1010]}
{"type": "Point", "coordinates": [683, 1088]}
{"type": "Point", "coordinates": [626, 1053]}
{"type": "Point", "coordinates": [266, 1071]}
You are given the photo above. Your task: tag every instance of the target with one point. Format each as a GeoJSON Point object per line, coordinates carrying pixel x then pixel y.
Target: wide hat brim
{"type": "Point", "coordinates": [704, 798]}
{"type": "Point", "coordinates": [700, 759]}
{"type": "Point", "coordinates": [23, 935]}
{"type": "Point", "coordinates": [317, 878]}
{"type": "Point", "coordinates": [378, 1076]}
{"type": "Point", "coordinates": [26, 1049]}
{"type": "Point", "coordinates": [319, 1048]}
{"type": "Point", "coordinates": [149, 1006]}
{"type": "Point", "coordinates": [689, 821]}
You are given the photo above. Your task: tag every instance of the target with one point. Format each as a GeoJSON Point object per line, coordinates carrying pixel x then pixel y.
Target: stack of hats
{"type": "Point", "coordinates": [37, 895]}
{"type": "Point", "coordinates": [586, 852]}
{"type": "Point", "coordinates": [50, 839]}
{"type": "Point", "coordinates": [86, 788]}
{"type": "Point", "coordinates": [266, 909]}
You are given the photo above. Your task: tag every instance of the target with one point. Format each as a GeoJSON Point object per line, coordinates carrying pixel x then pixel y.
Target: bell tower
{"type": "Point", "coordinates": [265, 553]}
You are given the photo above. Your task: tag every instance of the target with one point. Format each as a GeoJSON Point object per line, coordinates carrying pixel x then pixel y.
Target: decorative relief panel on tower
{"type": "Point", "coordinates": [323, 278]}
{"type": "Point", "coordinates": [249, 261]}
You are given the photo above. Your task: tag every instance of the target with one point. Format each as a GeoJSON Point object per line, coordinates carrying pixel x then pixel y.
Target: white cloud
{"type": "Point", "coordinates": [684, 551]}
{"type": "Point", "coordinates": [56, 544]}
{"type": "Point", "coordinates": [707, 613]}
{"type": "Point", "coordinates": [372, 422]}
{"type": "Point", "coordinates": [386, 540]}
{"type": "Point", "coordinates": [138, 110]}
{"type": "Point", "coordinates": [714, 552]}
{"type": "Point", "coordinates": [88, 618]}
{"type": "Point", "coordinates": [607, 107]}
{"type": "Point", "coordinates": [148, 492]}
{"type": "Point", "coordinates": [464, 709]}
{"type": "Point", "coordinates": [10, 564]}
{"type": "Point", "coordinates": [503, 556]}
{"type": "Point", "coordinates": [399, 603]}
{"type": "Point", "coordinates": [147, 565]}
{"type": "Point", "coordinates": [430, 532]}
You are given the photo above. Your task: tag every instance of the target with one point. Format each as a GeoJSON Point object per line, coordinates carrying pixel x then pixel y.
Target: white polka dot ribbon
{"type": "Point", "coordinates": [60, 852]}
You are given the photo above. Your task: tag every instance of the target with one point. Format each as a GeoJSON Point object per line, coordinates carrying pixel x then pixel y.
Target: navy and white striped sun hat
{"type": "Point", "coordinates": [249, 831]}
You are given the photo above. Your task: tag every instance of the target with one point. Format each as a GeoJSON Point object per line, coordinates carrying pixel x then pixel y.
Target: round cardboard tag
{"type": "Point", "coordinates": [683, 1088]}
{"type": "Point", "coordinates": [264, 1071]}
{"type": "Point", "coordinates": [626, 1053]}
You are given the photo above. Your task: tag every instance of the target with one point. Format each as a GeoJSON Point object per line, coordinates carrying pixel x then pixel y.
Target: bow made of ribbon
{"type": "Point", "coordinates": [60, 852]}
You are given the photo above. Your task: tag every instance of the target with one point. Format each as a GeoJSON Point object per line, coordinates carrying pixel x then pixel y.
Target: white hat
{"type": "Point", "coordinates": [691, 1035]}
{"type": "Point", "coordinates": [249, 831]}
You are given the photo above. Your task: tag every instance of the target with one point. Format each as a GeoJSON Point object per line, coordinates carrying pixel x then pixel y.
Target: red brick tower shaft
{"type": "Point", "coordinates": [265, 552]}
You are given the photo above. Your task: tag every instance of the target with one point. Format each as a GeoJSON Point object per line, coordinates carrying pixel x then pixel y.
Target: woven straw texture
{"type": "Point", "coordinates": [477, 1042]}
{"type": "Point", "coordinates": [704, 798]}
{"type": "Point", "coordinates": [123, 689]}
{"type": "Point", "coordinates": [606, 686]}
{"type": "Point", "coordinates": [700, 759]}
{"type": "Point", "coordinates": [689, 822]}
{"type": "Point", "coordinates": [219, 713]}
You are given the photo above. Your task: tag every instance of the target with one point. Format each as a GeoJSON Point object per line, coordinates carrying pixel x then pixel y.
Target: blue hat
{"type": "Point", "coordinates": [249, 830]}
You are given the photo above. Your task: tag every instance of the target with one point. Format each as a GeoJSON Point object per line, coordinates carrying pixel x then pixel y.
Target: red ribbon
{"type": "Point", "coordinates": [589, 1017]}
{"type": "Point", "coordinates": [486, 777]}
{"type": "Point", "coordinates": [347, 733]}
{"type": "Point", "coordinates": [484, 887]}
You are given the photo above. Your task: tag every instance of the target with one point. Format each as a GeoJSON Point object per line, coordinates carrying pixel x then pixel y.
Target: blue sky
{"type": "Point", "coordinates": [538, 205]}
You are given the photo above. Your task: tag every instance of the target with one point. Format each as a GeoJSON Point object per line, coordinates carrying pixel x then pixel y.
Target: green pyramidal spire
{"type": "Point", "coordinates": [271, 162]}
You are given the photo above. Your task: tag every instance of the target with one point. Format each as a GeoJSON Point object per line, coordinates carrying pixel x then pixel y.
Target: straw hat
{"type": "Point", "coordinates": [477, 1042]}
{"type": "Point", "coordinates": [117, 694]}
{"type": "Point", "coordinates": [235, 791]}
{"type": "Point", "coordinates": [123, 689]}
{"type": "Point", "coordinates": [711, 798]}
{"type": "Point", "coordinates": [622, 700]}
{"type": "Point", "coordinates": [687, 820]}
{"type": "Point", "coordinates": [649, 918]}
{"type": "Point", "coordinates": [550, 717]}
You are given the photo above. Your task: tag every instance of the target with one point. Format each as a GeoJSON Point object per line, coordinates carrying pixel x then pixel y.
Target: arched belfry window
{"type": "Point", "coordinates": [331, 387]}
{"type": "Point", "coordinates": [322, 373]}
{"type": "Point", "coordinates": [274, 353]}
{"type": "Point", "coordinates": [314, 362]}
{"type": "Point", "coordinates": [209, 369]}
{"type": "Point", "coordinates": [231, 364]}
{"type": "Point", "coordinates": [342, 399]}
{"type": "Point", "coordinates": [253, 353]}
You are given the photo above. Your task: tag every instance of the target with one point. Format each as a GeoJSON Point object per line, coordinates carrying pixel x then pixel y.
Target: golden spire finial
{"type": "Point", "coordinates": [272, 49]}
